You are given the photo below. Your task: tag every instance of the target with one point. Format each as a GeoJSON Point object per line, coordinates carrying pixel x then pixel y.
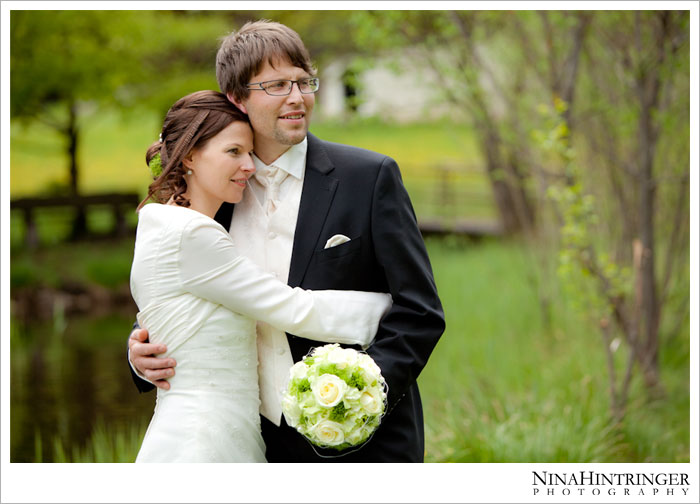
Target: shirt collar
{"type": "Point", "coordinates": [293, 161]}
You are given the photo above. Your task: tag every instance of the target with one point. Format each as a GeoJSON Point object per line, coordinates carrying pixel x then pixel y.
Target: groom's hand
{"type": "Point", "coordinates": [143, 357]}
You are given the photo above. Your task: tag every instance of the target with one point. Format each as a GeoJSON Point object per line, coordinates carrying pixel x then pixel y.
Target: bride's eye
{"type": "Point", "coordinates": [233, 150]}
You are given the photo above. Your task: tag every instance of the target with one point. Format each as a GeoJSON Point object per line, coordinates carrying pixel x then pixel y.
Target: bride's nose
{"type": "Point", "coordinates": [248, 165]}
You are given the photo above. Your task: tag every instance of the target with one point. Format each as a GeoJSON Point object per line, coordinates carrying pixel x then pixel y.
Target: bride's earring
{"type": "Point", "coordinates": [189, 172]}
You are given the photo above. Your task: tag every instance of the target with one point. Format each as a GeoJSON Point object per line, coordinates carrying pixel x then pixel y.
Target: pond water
{"type": "Point", "coordinates": [67, 376]}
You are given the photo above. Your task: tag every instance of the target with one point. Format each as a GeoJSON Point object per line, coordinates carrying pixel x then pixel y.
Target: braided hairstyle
{"type": "Point", "coordinates": [189, 123]}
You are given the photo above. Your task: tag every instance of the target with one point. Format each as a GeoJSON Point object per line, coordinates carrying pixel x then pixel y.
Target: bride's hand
{"type": "Point", "coordinates": [142, 356]}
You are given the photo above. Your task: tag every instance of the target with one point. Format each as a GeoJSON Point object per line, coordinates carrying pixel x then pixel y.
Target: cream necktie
{"type": "Point", "coordinates": [272, 181]}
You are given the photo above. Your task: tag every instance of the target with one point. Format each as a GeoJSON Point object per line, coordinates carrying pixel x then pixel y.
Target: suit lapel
{"type": "Point", "coordinates": [316, 197]}
{"type": "Point", "coordinates": [223, 216]}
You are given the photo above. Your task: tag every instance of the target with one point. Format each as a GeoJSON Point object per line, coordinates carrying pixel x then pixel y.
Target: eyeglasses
{"type": "Point", "coordinates": [284, 87]}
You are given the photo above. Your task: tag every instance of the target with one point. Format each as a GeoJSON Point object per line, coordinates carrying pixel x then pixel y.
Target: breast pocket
{"type": "Point", "coordinates": [339, 251]}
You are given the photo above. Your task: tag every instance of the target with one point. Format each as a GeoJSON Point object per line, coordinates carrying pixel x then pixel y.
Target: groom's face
{"type": "Point", "coordinates": [278, 121]}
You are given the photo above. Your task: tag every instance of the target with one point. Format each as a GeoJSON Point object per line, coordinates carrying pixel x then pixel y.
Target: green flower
{"type": "Point", "coordinates": [156, 166]}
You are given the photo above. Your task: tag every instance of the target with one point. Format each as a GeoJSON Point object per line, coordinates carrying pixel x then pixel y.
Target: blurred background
{"type": "Point", "coordinates": [547, 158]}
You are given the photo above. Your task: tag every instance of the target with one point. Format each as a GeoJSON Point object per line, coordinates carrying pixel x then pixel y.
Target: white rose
{"type": "Point", "coordinates": [329, 433]}
{"type": "Point", "coordinates": [371, 401]}
{"type": "Point", "coordinates": [370, 369]}
{"type": "Point", "coordinates": [320, 352]}
{"type": "Point", "coordinates": [328, 390]}
{"type": "Point", "coordinates": [292, 411]}
{"type": "Point", "coordinates": [342, 357]}
{"type": "Point", "coordinates": [356, 437]}
{"type": "Point", "coordinates": [351, 395]}
{"type": "Point", "coordinates": [298, 370]}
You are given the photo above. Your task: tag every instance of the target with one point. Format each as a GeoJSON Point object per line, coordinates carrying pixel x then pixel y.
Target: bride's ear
{"type": "Point", "coordinates": [187, 160]}
{"type": "Point", "coordinates": [238, 103]}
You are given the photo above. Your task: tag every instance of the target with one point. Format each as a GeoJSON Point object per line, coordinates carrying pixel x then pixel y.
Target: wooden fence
{"type": "Point", "coordinates": [118, 202]}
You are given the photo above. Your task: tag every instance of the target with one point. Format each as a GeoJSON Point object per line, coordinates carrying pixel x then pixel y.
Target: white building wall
{"type": "Point", "coordinates": [412, 94]}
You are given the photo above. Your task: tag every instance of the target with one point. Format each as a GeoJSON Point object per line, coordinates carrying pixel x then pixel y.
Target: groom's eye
{"type": "Point", "coordinates": [277, 85]}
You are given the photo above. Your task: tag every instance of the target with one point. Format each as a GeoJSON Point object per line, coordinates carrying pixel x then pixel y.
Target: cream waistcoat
{"type": "Point", "coordinates": [268, 242]}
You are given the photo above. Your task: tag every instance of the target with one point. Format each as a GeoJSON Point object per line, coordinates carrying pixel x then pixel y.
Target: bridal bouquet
{"type": "Point", "coordinates": [335, 397]}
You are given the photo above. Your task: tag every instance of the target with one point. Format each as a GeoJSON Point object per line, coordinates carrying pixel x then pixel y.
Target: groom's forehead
{"type": "Point", "coordinates": [276, 64]}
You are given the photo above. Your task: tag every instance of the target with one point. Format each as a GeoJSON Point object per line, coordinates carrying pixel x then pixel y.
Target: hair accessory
{"type": "Point", "coordinates": [160, 137]}
{"type": "Point", "coordinates": [156, 166]}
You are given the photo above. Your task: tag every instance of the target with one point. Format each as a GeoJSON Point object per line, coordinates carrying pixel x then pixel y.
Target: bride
{"type": "Point", "coordinates": [200, 297]}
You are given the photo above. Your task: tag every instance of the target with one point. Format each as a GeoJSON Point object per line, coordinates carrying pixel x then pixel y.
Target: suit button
{"type": "Point", "coordinates": [272, 235]}
{"type": "Point", "coordinates": [280, 351]}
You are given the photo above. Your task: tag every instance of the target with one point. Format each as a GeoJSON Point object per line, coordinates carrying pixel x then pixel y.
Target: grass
{"type": "Point", "coordinates": [500, 388]}
{"type": "Point", "coordinates": [105, 263]}
{"type": "Point", "coordinates": [107, 444]}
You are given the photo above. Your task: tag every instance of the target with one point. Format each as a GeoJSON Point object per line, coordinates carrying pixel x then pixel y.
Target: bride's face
{"type": "Point", "coordinates": [222, 166]}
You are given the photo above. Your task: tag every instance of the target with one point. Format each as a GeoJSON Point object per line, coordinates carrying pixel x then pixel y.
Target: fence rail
{"type": "Point", "coordinates": [119, 202]}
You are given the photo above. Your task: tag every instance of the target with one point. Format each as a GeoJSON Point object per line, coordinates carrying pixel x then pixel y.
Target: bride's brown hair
{"type": "Point", "coordinates": [189, 123]}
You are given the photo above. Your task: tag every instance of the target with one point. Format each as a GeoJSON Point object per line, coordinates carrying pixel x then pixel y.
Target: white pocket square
{"type": "Point", "coordinates": [336, 240]}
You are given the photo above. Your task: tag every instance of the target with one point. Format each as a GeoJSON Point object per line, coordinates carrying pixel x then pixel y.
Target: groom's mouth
{"type": "Point", "coordinates": [293, 117]}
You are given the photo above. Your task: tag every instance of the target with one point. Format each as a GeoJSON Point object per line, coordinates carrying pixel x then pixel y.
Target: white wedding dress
{"type": "Point", "coordinates": [201, 298]}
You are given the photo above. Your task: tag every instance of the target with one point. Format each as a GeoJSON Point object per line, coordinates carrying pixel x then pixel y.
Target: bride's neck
{"type": "Point", "coordinates": [200, 204]}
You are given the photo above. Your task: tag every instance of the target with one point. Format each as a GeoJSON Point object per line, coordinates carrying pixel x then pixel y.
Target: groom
{"type": "Point", "coordinates": [321, 216]}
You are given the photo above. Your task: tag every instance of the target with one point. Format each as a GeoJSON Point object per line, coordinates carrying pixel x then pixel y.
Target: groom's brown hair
{"type": "Point", "coordinates": [244, 52]}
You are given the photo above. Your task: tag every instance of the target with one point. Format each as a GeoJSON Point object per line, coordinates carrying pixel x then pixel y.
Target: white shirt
{"type": "Point", "coordinates": [293, 162]}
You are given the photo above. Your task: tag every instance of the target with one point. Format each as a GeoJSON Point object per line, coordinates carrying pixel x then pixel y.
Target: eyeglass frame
{"type": "Point", "coordinates": [291, 87]}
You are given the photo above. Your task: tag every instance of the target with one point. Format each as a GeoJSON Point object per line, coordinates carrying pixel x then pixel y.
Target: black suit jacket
{"type": "Point", "coordinates": [359, 193]}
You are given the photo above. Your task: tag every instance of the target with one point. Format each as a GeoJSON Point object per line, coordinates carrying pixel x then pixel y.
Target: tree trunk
{"type": "Point", "coordinates": [648, 89]}
{"type": "Point", "coordinates": [72, 132]}
{"type": "Point", "coordinates": [511, 220]}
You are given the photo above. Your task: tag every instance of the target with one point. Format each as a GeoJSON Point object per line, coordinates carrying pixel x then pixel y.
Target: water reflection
{"type": "Point", "coordinates": [66, 378]}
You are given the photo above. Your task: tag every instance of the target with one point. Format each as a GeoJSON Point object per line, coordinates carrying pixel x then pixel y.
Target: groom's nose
{"type": "Point", "coordinates": [296, 95]}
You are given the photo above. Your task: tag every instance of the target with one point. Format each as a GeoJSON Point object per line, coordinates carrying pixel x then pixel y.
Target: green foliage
{"type": "Point", "coordinates": [352, 379]}
{"type": "Point", "coordinates": [156, 166]}
{"type": "Point", "coordinates": [579, 257]}
{"type": "Point", "coordinates": [66, 64]}
{"type": "Point", "coordinates": [356, 381]}
{"type": "Point", "coordinates": [500, 388]}
{"type": "Point", "coordinates": [338, 412]}
{"type": "Point", "coordinates": [125, 57]}
{"type": "Point", "coordinates": [298, 386]}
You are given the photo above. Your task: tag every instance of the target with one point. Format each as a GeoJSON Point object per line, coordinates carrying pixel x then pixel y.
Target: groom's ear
{"type": "Point", "coordinates": [238, 103]}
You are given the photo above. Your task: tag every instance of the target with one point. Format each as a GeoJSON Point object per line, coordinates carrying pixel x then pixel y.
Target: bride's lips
{"type": "Point", "coordinates": [239, 182]}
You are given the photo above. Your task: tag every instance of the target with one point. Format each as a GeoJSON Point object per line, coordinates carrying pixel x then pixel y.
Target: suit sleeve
{"type": "Point", "coordinates": [141, 384]}
{"type": "Point", "coordinates": [411, 329]}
